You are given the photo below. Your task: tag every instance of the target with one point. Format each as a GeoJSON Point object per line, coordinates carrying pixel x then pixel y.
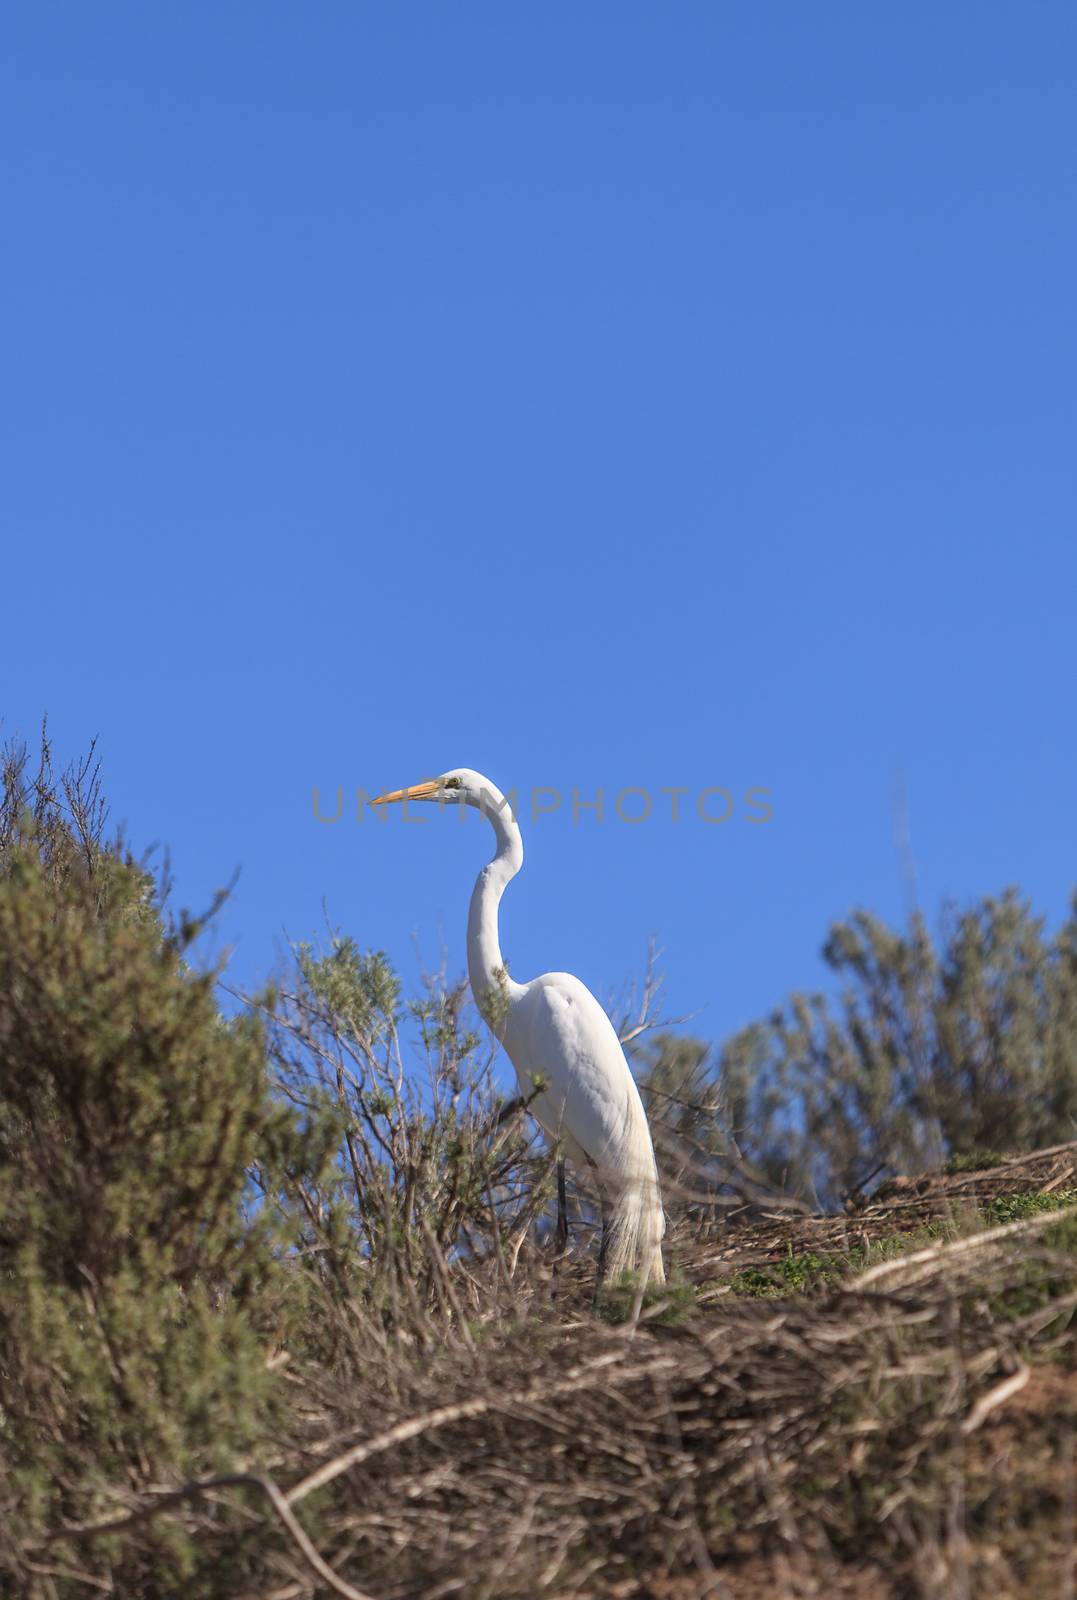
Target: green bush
{"type": "Point", "coordinates": [934, 1052]}
{"type": "Point", "coordinates": [138, 1292]}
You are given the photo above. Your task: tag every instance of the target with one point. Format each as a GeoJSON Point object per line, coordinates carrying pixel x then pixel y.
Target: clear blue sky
{"type": "Point", "coordinates": [597, 396]}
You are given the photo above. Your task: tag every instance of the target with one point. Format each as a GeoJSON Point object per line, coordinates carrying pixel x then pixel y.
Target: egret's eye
{"type": "Point", "coordinates": [452, 783]}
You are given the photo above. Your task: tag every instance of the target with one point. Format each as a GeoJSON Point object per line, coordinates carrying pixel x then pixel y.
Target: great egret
{"type": "Point", "coordinates": [571, 1069]}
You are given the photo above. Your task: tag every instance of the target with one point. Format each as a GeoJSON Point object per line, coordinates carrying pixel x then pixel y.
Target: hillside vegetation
{"type": "Point", "coordinates": [280, 1313]}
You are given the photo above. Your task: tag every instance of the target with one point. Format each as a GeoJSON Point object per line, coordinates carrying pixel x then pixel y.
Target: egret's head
{"type": "Point", "coordinates": [461, 786]}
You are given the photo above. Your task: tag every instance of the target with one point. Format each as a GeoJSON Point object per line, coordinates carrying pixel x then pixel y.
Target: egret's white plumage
{"type": "Point", "coordinates": [556, 1034]}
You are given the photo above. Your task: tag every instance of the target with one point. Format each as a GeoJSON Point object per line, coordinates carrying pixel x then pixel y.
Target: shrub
{"type": "Point", "coordinates": [933, 1053]}
{"type": "Point", "coordinates": [139, 1286]}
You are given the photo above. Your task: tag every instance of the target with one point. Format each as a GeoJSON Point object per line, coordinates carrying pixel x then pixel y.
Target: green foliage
{"type": "Point", "coordinates": [138, 1291]}
{"type": "Point", "coordinates": [361, 991]}
{"type": "Point", "coordinates": [973, 1161]}
{"type": "Point", "coordinates": [664, 1305]}
{"type": "Point", "coordinates": [423, 1167]}
{"type": "Point", "coordinates": [493, 1003]}
{"type": "Point", "coordinates": [933, 1054]}
{"type": "Point", "coordinates": [130, 1108]}
{"type": "Point", "coordinates": [791, 1274]}
{"type": "Point", "coordinates": [1047, 1272]}
{"type": "Point", "coordinates": [1013, 1207]}
{"type": "Point", "coordinates": [814, 1272]}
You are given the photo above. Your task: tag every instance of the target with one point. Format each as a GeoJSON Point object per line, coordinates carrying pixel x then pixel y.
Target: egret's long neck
{"type": "Point", "coordinates": [485, 964]}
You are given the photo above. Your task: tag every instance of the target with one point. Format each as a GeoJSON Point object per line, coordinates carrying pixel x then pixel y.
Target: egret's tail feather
{"type": "Point", "coordinates": [637, 1223]}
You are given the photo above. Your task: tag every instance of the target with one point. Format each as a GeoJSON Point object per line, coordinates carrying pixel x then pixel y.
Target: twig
{"type": "Point", "coordinates": [996, 1397]}
{"type": "Point", "coordinates": [976, 1241]}
{"type": "Point", "coordinates": [195, 1490]}
{"type": "Point", "coordinates": [442, 1416]}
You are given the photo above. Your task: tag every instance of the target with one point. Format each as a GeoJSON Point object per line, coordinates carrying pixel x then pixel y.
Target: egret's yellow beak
{"type": "Point", "coordinates": [416, 791]}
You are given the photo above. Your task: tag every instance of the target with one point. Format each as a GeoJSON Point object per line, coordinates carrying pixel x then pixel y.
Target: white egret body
{"type": "Point", "coordinates": [557, 1035]}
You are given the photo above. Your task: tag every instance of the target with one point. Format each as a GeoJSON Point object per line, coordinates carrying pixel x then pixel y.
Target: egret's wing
{"type": "Point", "coordinates": [559, 1032]}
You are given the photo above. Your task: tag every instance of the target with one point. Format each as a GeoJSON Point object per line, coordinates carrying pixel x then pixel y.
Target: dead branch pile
{"type": "Point", "coordinates": [515, 1446]}
{"type": "Point", "coordinates": [899, 1206]}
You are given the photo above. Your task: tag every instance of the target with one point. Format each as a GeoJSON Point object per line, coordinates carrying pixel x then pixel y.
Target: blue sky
{"type": "Point", "coordinates": [604, 396]}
